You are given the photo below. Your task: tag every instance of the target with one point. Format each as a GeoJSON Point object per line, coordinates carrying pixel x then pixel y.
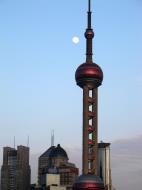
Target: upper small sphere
{"type": "Point", "coordinates": [89, 73]}
{"type": "Point", "coordinates": [89, 34]}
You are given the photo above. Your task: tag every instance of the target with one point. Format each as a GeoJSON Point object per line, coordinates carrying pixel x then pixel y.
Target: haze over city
{"type": "Point", "coordinates": [38, 92]}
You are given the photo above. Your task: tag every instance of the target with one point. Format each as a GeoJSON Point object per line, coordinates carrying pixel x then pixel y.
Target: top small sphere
{"type": "Point", "coordinates": [89, 34]}
{"type": "Point", "coordinates": [89, 73]}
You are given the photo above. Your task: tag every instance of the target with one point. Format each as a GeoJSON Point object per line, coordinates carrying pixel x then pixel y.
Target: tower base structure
{"type": "Point", "coordinates": [88, 182]}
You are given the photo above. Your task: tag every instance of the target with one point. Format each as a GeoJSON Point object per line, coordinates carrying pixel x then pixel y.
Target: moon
{"type": "Point", "coordinates": [75, 40]}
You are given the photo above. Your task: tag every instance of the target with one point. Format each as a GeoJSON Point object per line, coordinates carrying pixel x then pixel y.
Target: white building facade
{"type": "Point", "coordinates": [104, 168]}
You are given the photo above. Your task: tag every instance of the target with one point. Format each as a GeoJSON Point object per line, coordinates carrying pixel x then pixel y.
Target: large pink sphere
{"type": "Point", "coordinates": [89, 73]}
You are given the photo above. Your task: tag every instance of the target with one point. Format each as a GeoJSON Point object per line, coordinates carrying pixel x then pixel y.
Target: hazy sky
{"type": "Point", "coordinates": [38, 62]}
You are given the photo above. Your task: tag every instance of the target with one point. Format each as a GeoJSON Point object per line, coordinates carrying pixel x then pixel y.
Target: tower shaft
{"type": "Point", "coordinates": [89, 77]}
{"type": "Point", "coordinates": [90, 130]}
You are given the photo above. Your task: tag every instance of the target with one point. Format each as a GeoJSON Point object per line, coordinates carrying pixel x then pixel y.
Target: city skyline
{"type": "Point", "coordinates": [37, 52]}
{"type": "Point", "coordinates": [27, 68]}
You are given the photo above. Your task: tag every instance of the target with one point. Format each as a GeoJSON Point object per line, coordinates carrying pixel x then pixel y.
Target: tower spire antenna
{"type": "Point", "coordinates": [89, 5]}
{"type": "Point", "coordinates": [89, 35]}
{"type": "Point", "coordinates": [89, 14]}
{"type": "Point", "coordinates": [89, 77]}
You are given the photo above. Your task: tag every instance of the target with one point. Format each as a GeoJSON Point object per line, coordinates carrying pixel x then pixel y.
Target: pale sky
{"type": "Point", "coordinates": [37, 66]}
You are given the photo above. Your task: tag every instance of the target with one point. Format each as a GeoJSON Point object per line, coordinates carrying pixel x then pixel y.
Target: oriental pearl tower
{"type": "Point", "coordinates": [89, 77]}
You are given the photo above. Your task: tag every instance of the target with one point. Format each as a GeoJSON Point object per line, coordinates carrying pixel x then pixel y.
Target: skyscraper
{"type": "Point", "coordinates": [55, 161]}
{"type": "Point", "coordinates": [15, 171]}
{"type": "Point", "coordinates": [89, 77]}
{"type": "Point", "coordinates": [104, 169]}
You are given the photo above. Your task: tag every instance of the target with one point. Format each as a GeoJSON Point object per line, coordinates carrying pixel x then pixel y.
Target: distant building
{"type": "Point", "coordinates": [55, 161]}
{"type": "Point", "coordinates": [53, 182]}
{"type": "Point", "coordinates": [104, 168]}
{"type": "Point", "coordinates": [44, 162]}
{"type": "Point", "coordinates": [15, 171]}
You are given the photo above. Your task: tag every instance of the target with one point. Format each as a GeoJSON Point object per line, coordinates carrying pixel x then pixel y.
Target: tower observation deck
{"type": "Point", "coordinates": [89, 77]}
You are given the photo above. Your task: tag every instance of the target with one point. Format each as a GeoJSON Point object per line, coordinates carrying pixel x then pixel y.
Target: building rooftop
{"type": "Point", "coordinates": [58, 152]}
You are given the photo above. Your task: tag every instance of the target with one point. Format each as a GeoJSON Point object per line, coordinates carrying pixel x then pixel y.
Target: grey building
{"type": "Point", "coordinates": [15, 171]}
{"type": "Point", "coordinates": [104, 168]}
{"type": "Point", "coordinates": [55, 161]}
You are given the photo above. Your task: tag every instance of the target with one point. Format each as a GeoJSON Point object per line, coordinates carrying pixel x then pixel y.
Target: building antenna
{"type": "Point", "coordinates": [52, 138]}
{"type": "Point", "coordinates": [14, 142]}
{"type": "Point", "coordinates": [28, 141]}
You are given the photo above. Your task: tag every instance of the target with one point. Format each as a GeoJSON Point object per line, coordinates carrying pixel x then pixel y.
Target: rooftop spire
{"type": "Point", "coordinates": [89, 34]}
{"type": "Point", "coordinates": [52, 138]}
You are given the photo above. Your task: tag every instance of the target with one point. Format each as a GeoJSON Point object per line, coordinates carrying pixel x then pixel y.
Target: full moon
{"type": "Point", "coordinates": [75, 40]}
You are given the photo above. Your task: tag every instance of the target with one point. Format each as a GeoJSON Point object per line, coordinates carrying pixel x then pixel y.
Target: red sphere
{"type": "Point", "coordinates": [89, 73]}
{"type": "Point", "coordinates": [85, 182]}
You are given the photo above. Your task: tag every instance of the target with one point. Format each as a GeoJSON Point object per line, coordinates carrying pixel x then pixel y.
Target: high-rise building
{"type": "Point", "coordinates": [104, 169]}
{"type": "Point", "coordinates": [55, 161]}
{"type": "Point", "coordinates": [15, 171]}
{"type": "Point", "coordinates": [89, 77]}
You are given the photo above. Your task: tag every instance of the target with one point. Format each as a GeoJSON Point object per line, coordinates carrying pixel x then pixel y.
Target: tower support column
{"type": "Point", "coordinates": [85, 130]}
{"type": "Point", "coordinates": [89, 77]}
{"type": "Point", "coordinates": [95, 131]}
